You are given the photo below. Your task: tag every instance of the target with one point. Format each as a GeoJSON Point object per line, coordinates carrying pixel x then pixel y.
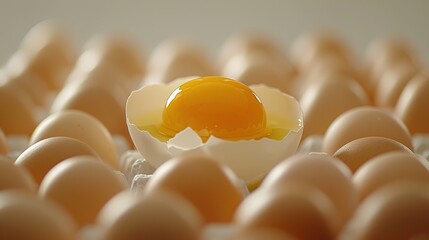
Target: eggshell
{"type": "Point", "coordinates": [309, 47]}
{"type": "Point", "coordinates": [81, 126]}
{"type": "Point", "coordinates": [338, 95]}
{"type": "Point", "coordinates": [298, 210]}
{"type": "Point", "coordinates": [114, 50]}
{"type": "Point", "coordinates": [398, 211]}
{"type": "Point", "coordinates": [364, 122]}
{"type": "Point", "coordinates": [255, 68]}
{"type": "Point", "coordinates": [249, 42]}
{"type": "Point", "coordinates": [14, 177]}
{"type": "Point", "coordinates": [81, 185]}
{"type": "Point", "coordinates": [17, 113]}
{"type": "Point", "coordinates": [392, 83]}
{"type": "Point", "coordinates": [320, 171]}
{"type": "Point", "coordinates": [386, 169]}
{"type": "Point", "coordinates": [43, 155]}
{"type": "Point", "coordinates": [4, 147]}
{"type": "Point", "coordinates": [103, 103]}
{"type": "Point", "coordinates": [24, 216]}
{"type": "Point", "coordinates": [243, 157]}
{"type": "Point", "coordinates": [46, 51]}
{"type": "Point", "coordinates": [163, 215]}
{"type": "Point", "coordinates": [357, 152]}
{"type": "Point", "coordinates": [262, 234]}
{"type": "Point", "coordinates": [413, 104]}
{"type": "Point", "coordinates": [31, 85]}
{"type": "Point", "coordinates": [175, 58]}
{"type": "Point", "coordinates": [212, 188]}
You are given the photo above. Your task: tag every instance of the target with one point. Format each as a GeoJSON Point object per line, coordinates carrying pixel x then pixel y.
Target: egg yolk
{"type": "Point", "coordinates": [217, 106]}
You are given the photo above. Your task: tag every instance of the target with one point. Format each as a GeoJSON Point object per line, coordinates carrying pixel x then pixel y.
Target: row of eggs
{"type": "Point", "coordinates": [109, 69]}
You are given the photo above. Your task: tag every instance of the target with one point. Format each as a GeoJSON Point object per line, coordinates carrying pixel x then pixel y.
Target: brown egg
{"type": "Point", "coordinates": [391, 84]}
{"type": "Point", "coordinates": [320, 171]}
{"type": "Point", "coordinates": [212, 188]}
{"type": "Point", "coordinates": [47, 52]}
{"type": "Point", "coordinates": [364, 122]}
{"type": "Point", "coordinates": [17, 113]}
{"type": "Point", "coordinates": [43, 155]}
{"type": "Point", "coordinates": [357, 152]}
{"type": "Point", "coordinates": [25, 216]}
{"type": "Point", "coordinates": [263, 234]}
{"type": "Point", "coordinates": [386, 169]}
{"type": "Point", "coordinates": [251, 43]}
{"type": "Point", "coordinates": [412, 106]}
{"type": "Point", "coordinates": [176, 58]}
{"type": "Point", "coordinates": [163, 215]}
{"type": "Point", "coordinates": [298, 210]}
{"type": "Point", "coordinates": [14, 177]}
{"type": "Point", "coordinates": [255, 68]}
{"type": "Point", "coordinates": [386, 52]}
{"type": "Point", "coordinates": [81, 126]}
{"type": "Point", "coordinates": [81, 185]}
{"type": "Point", "coordinates": [310, 47]}
{"type": "Point", "coordinates": [114, 50]}
{"type": "Point", "coordinates": [4, 147]}
{"type": "Point", "coordinates": [398, 211]}
{"type": "Point", "coordinates": [105, 104]}
{"type": "Point", "coordinates": [323, 102]}
{"type": "Point", "coordinates": [31, 85]}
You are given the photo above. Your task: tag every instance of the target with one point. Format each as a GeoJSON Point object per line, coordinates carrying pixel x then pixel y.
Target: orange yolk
{"type": "Point", "coordinates": [217, 106]}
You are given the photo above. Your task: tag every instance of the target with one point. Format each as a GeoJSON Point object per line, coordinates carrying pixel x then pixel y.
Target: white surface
{"type": "Point", "coordinates": [211, 22]}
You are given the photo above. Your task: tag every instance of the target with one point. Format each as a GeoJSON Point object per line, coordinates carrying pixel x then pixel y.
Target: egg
{"type": "Point", "coordinates": [309, 47]}
{"type": "Point", "coordinates": [391, 85]}
{"type": "Point", "coordinates": [106, 104]}
{"type": "Point", "coordinates": [398, 211]}
{"type": "Point", "coordinates": [340, 95]}
{"type": "Point", "coordinates": [236, 140]}
{"type": "Point", "coordinates": [177, 58]}
{"type": "Point", "coordinates": [81, 126]}
{"type": "Point", "coordinates": [386, 169]}
{"type": "Point", "coordinates": [357, 152]}
{"type": "Point", "coordinates": [4, 147]}
{"type": "Point", "coordinates": [81, 185]}
{"type": "Point", "coordinates": [162, 215]}
{"type": "Point", "coordinates": [47, 51]}
{"type": "Point", "coordinates": [25, 216]}
{"type": "Point", "coordinates": [320, 171]}
{"type": "Point", "coordinates": [18, 116]}
{"type": "Point", "coordinates": [43, 155]}
{"type": "Point", "coordinates": [364, 122]}
{"type": "Point", "coordinates": [262, 234]}
{"type": "Point", "coordinates": [117, 51]}
{"type": "Point", "coordinates": [212, 188]}
{"type": "Point", "coordinates": [14, 177]}
{"type": "Point", "coordinates": [412, 105]}
{"type": "Point", "coordinates": [297, 210]}
{"type": "Point", "coordinates": [255, 68]}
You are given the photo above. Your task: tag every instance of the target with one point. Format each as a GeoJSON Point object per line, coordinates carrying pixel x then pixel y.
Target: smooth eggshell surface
{"type": "Point", "coordinates": [163, 215]}
{"type": "Point", "coordinates": [40, 157]}
{"type": "Point", "coordinates": [14, 177]}
{"type": "Point", "coordinates": [412, 106]}
{"type": "Point", "coordinates": [386, 169]}
{"type": "Point", "coordinates": [81, 185]}
{"type": "Point", "coordinates": [81, 126]}
{"type": "Point", "coordinates": [212, 188]}
{"type": "Point", "coordinates": [364, 122]}
{"type": "Point", "coordinates": [398, 211]}
{"type": "Point", "coordinates": [355, 153]}
{"type": "Point", "coordinates": [25, 216]}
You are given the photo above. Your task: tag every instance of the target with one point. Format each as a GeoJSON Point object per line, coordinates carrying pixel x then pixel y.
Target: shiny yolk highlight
{"type": "Point", "coordinates": [217, 106]}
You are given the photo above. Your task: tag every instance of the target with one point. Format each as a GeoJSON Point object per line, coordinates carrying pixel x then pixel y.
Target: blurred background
{"type": "Point", "coordinates": [211, 22]}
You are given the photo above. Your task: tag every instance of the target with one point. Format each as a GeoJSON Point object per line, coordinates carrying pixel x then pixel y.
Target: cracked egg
{"type": "Point", "coordinates": [249, 129]}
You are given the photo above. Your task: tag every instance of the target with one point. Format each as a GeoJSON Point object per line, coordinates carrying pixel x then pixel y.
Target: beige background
{"type": "Point", "coordinates": [211, 22]}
